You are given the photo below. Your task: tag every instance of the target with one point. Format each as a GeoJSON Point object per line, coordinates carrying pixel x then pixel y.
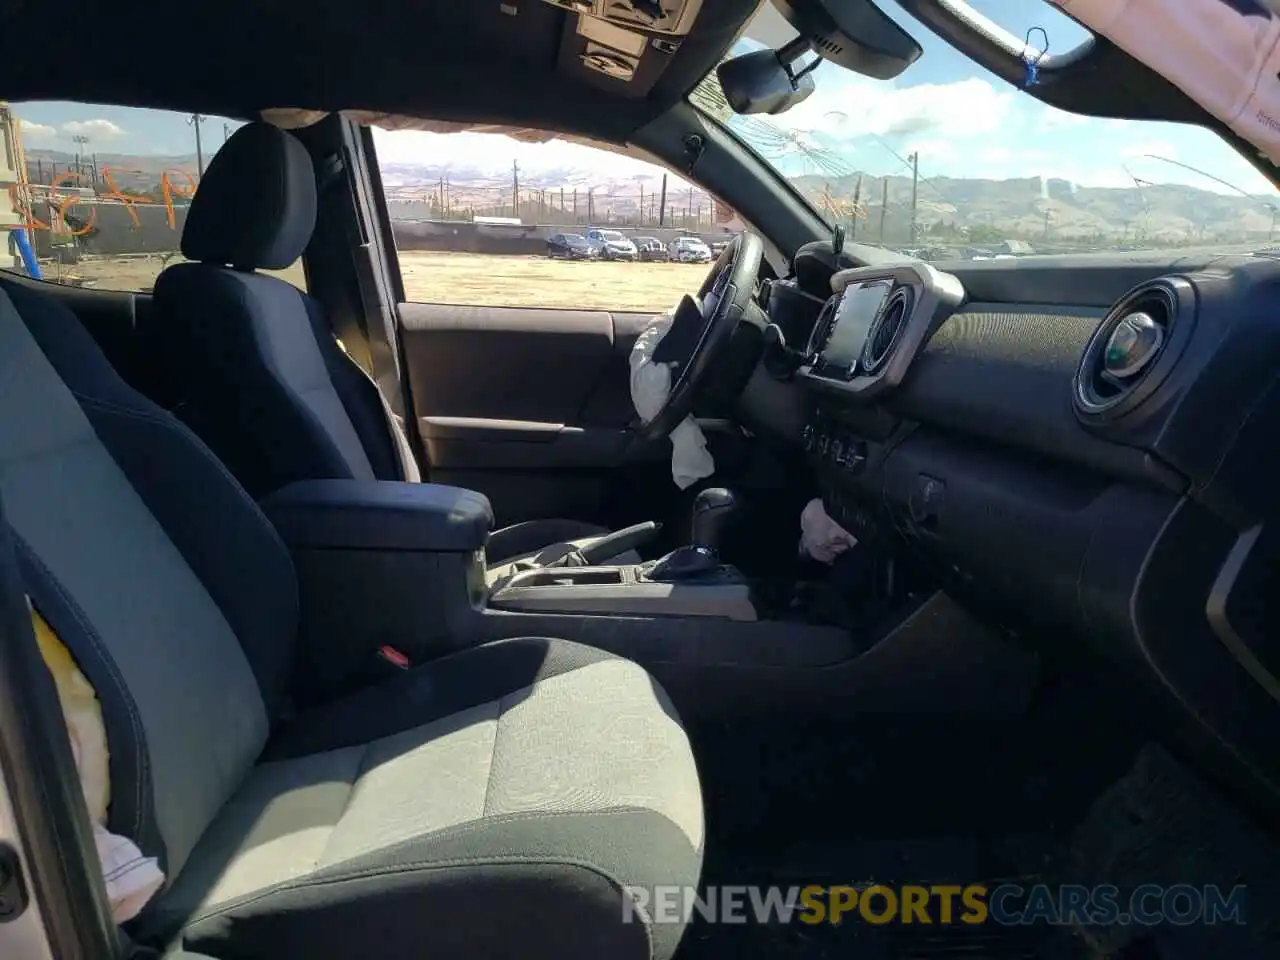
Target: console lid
{"type": "Point", "coordinates": [380, 515]}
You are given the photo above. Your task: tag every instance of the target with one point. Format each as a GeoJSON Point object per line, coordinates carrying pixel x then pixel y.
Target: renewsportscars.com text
{"type": "Point", "coordinates": [942, 904]}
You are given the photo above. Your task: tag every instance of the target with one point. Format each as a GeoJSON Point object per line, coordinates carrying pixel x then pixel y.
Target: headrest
{"type": "Point", "coordinates": [255, 206]}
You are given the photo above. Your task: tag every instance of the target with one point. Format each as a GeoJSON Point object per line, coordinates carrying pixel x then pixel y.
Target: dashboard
{"type": "Point", "coordinates": [1085, 451]}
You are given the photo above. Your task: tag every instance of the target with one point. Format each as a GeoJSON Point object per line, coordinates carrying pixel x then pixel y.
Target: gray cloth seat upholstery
{"type": "Point", "coordinates": [496, 802]}
{"type": "Point", "coordinates": [250, 363]}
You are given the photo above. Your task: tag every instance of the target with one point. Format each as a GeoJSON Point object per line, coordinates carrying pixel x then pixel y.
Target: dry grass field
{"type": "Point", "coordinates": [464, 278]}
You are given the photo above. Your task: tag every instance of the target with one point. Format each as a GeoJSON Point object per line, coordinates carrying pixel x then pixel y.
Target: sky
{"type": "Point", "coordinates": [961, 120]}
{"type": "Point", "coordinates": [965, 122]}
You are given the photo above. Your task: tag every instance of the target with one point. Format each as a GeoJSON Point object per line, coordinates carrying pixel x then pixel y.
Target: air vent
{"type": "Point", "coordinates": [886, 330]}
{"type": "Point", "coordinates": [822, 43]}
{"type": "Point", "coordinates": [1132, 350]}
{"type": "Point", "coordinates": [821, 330]}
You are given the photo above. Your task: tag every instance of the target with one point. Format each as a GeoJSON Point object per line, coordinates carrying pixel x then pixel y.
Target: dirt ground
{"type": "Point", "coordinates": [502, 281]}
{"type": "Point", "coordinates": [464, 278]}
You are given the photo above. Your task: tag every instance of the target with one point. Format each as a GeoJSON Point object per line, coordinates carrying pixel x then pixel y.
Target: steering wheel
{"type": "Point", "coordinates": [703, 328]}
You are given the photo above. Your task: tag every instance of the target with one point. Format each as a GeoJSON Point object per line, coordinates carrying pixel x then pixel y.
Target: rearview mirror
{"type": "Point", "coordinates": [764, 81]}
{"type": "Point", "coordinates": [856, 34]}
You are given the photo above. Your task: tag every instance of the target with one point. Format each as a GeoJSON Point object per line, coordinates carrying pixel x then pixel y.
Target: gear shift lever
{"type": "Point", "coordinates": [712, 509]}
{"type": "Point", "coordinates": [697, 560]}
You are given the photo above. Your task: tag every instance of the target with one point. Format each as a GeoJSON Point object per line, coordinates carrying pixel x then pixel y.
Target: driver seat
{"type": "Point", "coordinates": [250, 363]}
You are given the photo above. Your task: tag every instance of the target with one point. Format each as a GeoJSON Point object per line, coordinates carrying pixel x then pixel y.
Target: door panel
{"type": "Point", "coordinates": [530, 406]}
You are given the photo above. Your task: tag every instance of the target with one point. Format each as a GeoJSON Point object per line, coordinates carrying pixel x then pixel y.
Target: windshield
{"type": "Point", "coordinates": [948, 161]}
{"type": "Point", "coordinates": [610, 235]}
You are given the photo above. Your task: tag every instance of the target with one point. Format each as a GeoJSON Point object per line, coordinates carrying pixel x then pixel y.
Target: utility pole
{"type": "Point", "coordinates": [94, 160]}
{"type": "Point", "coordinates": [195, 121]}
{"type": "Point", "coordinates": [591, 204]}
{"type": "Point", "coordinates": [80, 141]}
{"type": "Point", "coordinates": [662, 204]}
{"type": "Point", "coordinates": [440, 199]}
{"type": "Point", "coordinates": [884, 205]}
{"type": "Point", "coordinates": [688, 208]}
{"type": "Point", "coordinates": [857, 205]}
{"type": "Point", "coordinates": [575, 204]}
{"type": "Point", "coordinates": [448, 200]}
{"type": "Point", "coordinates": [915, 184]}
{"type": "Point", "coordinates": [515, 189]}
{"type": "Point", "coordinates": [641, 214]}
{"type": "Point", "coordinates": [561, 217]}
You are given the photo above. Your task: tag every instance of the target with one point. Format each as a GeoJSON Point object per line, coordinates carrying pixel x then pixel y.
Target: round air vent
{"type": "Point", "coordinates": [886, 330]}
{"type": "Point", "coordinates": [1133, 349]}
{"type": "Point", "coordinates": [620, 68]}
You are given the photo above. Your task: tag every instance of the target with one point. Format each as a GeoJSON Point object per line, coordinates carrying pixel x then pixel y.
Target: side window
{"type": "Point", "coordinates": [483, 219]}
{"type": "Point", "coordinates": [95, 196]}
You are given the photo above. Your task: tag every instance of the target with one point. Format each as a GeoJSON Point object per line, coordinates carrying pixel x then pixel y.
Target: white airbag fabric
{"type": "Point", "coordinates": [1225, 60]}
{"type": "Point", "coordinates": [650, 387]}
{"type": "Point", "coordinates": [820, 536]}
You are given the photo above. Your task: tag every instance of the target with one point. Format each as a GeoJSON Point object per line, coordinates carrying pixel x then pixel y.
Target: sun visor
{"type": "Point", "coordinates": [1223, 55]}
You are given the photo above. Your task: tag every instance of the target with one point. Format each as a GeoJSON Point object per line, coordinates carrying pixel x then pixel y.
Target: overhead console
{"type": "Point", "coordinates": [875, 323]}
{"type": "Point", "coordinates": [626, 41]}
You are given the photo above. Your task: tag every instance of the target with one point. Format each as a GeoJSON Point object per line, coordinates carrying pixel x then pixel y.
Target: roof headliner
{"type": "Point", "coordinates": [431, 58]}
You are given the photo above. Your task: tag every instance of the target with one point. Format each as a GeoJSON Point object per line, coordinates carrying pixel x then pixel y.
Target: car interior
{"type": "Point", "coordinates": [404, 639]}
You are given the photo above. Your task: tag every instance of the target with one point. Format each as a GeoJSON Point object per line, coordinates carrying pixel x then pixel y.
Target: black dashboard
{"type": "Point", "coordinates": [1084, 451]}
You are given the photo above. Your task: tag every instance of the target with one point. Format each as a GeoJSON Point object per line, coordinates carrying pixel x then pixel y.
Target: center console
{"type": "Point", "coordinates": [392, 575]}
{"type": "Point", "coordinates": [403, 565]}
{"type": "Point", "coordinates": [625, 590]}
{"type": "Point", "coordinates": [862, 346]}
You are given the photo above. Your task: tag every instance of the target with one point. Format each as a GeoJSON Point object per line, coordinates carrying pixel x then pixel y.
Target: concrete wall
{"type": "Point", "coordinates": [114, 232]}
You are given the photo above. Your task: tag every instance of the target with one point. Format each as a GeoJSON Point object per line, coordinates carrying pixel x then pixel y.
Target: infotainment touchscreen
{"type": "Point", "coordinates": [857, 309]}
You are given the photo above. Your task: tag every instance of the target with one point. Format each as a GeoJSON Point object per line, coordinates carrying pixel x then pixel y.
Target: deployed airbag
{"type": "Point", "coordinates": [691, 461]}
{"type": "Point", "coordinates": [1223, 55]}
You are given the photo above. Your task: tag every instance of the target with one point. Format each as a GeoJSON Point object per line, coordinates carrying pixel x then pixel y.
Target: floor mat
{"type": "Point", "coordinates": [793, 802]}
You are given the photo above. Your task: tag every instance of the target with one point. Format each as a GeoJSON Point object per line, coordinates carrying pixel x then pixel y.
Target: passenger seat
{"type": "Point", "coordinates": [493, 803]}
{"type": "Point", "coordinates": [251, 361]}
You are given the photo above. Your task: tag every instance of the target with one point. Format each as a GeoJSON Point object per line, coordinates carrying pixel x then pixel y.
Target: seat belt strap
{"type": "Point", "coordinates": [409, 471]}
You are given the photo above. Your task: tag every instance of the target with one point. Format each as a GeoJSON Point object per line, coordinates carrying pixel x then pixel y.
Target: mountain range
{"type": "Point", "coordinates": [948, 210]}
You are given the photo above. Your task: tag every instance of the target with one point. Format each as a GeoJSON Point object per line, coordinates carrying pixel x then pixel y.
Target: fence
{"type": "Point", "coordinates": [116, 229]}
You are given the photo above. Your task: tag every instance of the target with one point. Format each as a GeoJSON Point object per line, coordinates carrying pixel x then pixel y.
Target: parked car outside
{"type": "Point", "coordinates": [717, 247]}
{"type": "Point", "coordinates": [570, 246]}
{"type": "Point", "coordinates": [611, 245]}
{"type": "Point", "coordinates": [651, 248]}
{"type": "Point", "coordinates": [689, 250]}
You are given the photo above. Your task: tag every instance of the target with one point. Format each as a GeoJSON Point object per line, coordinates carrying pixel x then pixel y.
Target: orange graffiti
{"type": "Point", "coordinates": [168, 191]}
{"type": "Point", "coordinates": [26, 205]}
